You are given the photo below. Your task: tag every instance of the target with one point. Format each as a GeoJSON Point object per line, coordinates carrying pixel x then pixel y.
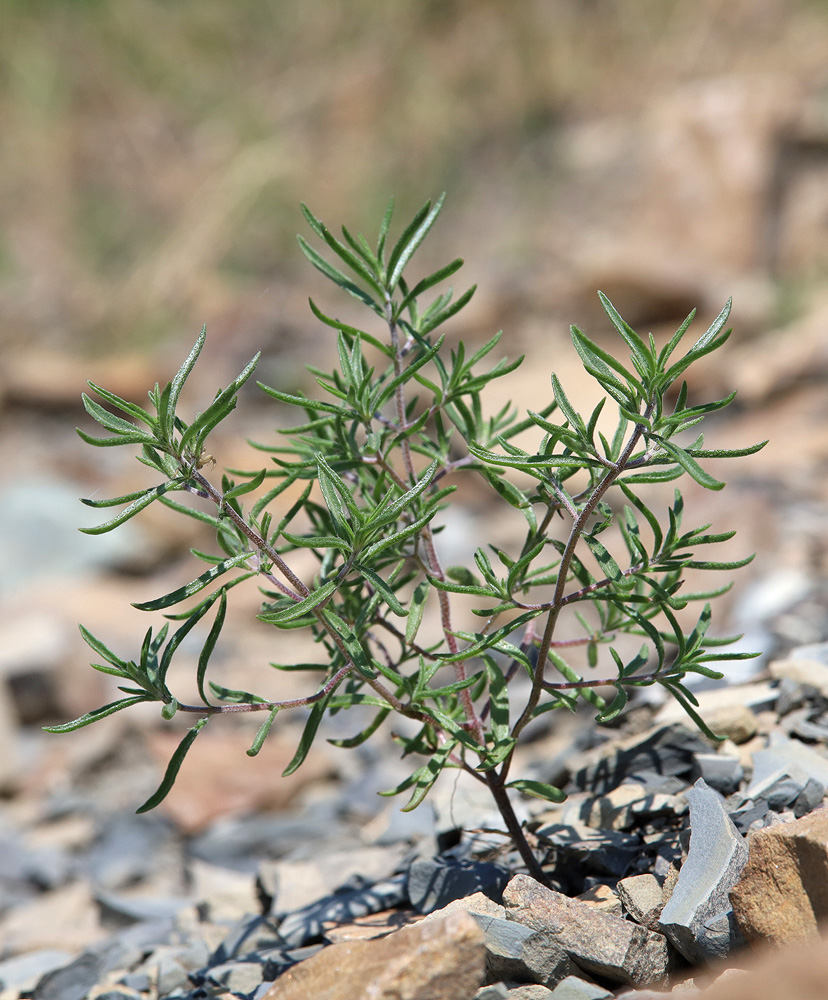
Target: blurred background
{"type": "Point", "coordinates": [152, 161]}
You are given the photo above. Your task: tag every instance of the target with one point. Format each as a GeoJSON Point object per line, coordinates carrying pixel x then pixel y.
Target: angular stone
{"type": "Point", "coordinates": [729, 711]}
{"type": "Point", "coordinates": [22, 973]}
{"type": "Point", "coordinates": [478, 905]}
{"type": "Point", "coordinates": [435, 882]}
{"type": "Point", "coordinates": [801, 670]}
{"type": "Point", "coordinates": [721, 772]}
{"type": "Point", "coordinates": [642, 896]}
{"type": "Point", "coordinates": [783, 891]}
{"type": "Point", "coordinates": [573, 988]}
{"type": "Point", "coordinates": [786, 757]}
{"type": "Point", "coordinates": [435, 960]}
{"type": "Point", "coordinates": [302, 926]}
{"type": "Point", "coordinates": [698, 917]}
{"type": "Point", "coordinates": [603, 945]}
{"type": "Point", "coordinates": [373, 925]}
{"type": "Point", "coordinates": [517, 952]}
{"type": "Point", "coordinates": [292, 883]}
{"type": "Point", "coordinates": [666, 749]}
{"type": "Point", "coordinates": [606, 852]}
{"type": "Point", "coordinates": [602, 897]}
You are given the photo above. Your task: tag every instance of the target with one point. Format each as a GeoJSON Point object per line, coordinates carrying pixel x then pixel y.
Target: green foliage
{"type": "Point", "coordinates": [398, 421]}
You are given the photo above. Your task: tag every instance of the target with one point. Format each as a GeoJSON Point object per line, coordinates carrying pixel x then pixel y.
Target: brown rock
{"type": "Point", "coordinates": [783, 890]}
{"type": "Point", "coordinates": [600, 943]}
{"type": "Point", "coordinates": [799, 972]}
{"type": "Point", "coordinates": [439, 960]}
{"type": "Point", "coordinates": [219, 780]}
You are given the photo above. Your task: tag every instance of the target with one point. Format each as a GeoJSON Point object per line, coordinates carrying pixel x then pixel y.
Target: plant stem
{"type": "Point", "coordinates": [504, 805]}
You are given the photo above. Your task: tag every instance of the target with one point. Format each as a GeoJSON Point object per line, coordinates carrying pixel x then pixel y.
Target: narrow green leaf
{"type": "Point", "coordinates": [132, 409]}
{"type": "Point", "coordinates": [427, 775]}
{"type": "Point", "coordinates": [144, 500]}
{"type": "Point", "coordinates": [412, 237]}
{"type": "Point", "coordinates": [336, 276]}
{"type": "Point", "coordinates": [498, 700]}
{"type": "Point", "coordinates": [416, 608]}
{"type": "Point", "coordinates": [173, 767]}
{"type": "Point", "coordinates": [366, 734]}
{"type": "Point", "coordinates": [177, 383]}
{"type": "Point", "coordinates": [307, 737]}
{"type": "Point", "coordinates": [302, 607]}
{"type": "Point", "coordinates": [689, 464]}
{"type": "Point", "coordinates": [538, 789]}
{"type": "Point", "coordinates": [247, 487]}
{"type": "Point", "coordinates": [631, 338]}
{"type": "Point", "coordinates": [615, 707]}
{"type": "Point", "coordinates": [97, 714]}
{"type": "Point", "coordinates": [261, 735]}
{"type": "Point", "coordinates": [194, 586]}
{"type": "Point", "coordinates": [210, 644]}
{"type": "Point", "coordinates": [382, 588]}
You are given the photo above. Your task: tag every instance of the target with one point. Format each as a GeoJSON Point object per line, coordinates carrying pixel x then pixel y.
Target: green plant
{"type": "Point", "coordinates": [377, 454]}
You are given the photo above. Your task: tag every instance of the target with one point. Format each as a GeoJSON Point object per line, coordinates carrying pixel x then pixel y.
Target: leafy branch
{"type": "Point", "coordinates": [396, 423]}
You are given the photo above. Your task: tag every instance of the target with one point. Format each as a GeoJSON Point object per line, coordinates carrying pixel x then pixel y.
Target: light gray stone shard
{"type": "Point", "coordinates": [698, 917]}
{"type": "Point", "coordinates": [599, 943]}
{"type": "Point", "coordinates": [573, 988]}
{"type": "Point", "coordinates": [786, 757]}
{"type": "Point", "coordinates": [722, 772]}
{"type": "Point", "coordinates": [23, 972]}
{"type": "Point", "coordinates": [531, 991]}
{"type": "Point", "coordinates": [517, 952]}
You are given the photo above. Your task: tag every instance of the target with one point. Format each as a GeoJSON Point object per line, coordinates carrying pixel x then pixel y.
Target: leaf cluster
{"type": "Point", "coordinates": [371, 463]}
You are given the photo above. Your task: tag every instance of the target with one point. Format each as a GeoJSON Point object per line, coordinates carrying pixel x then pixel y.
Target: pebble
{"type": "Point", "coordinates": [432, 884]}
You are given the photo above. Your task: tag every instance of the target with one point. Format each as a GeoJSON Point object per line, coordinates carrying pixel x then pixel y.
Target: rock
{"type": "Point", "coordinates": [433, 883]}
{"type": "Point", "coordinates": [666, 749]}
{"type": "Point", "coordinates": [73, 981]}
{"type": "Point", "coordinates": [785, 757]}
{"type": "Point", "coordinates": [720, 772]}
{"type": "Point", "coordinates": [222, 894]}
{"type": "Point", "coordinates": [799, 971]}
{"type": "Point", "coordinates": [729, 711]}
{"type": "Point", "coordinates": [602, 945]}
{"type": "Point", "coordinates": [217, 785]}
{"type": "Point", "coordinates": [573, 988]}
{"type": "Point", "coordinates": [698, 917]}
{"type": "Point", "coordinates": [439, 960]}
{"type": "Point", "coordinates": [374, 925]}
{"type": "Point", "coordinates": [517, 952]}
{"type": "Point", "coordinates": [478, 904]}
{"type": "Point", "coordinates": [783, 891]}
{"type": "Point", "coordinates": [24, 972]}
{"type": "Point", "coordinates": [642, 897]}
{"type": "Point", "coordinates": [802, 670]}
{"type": "Point", "coordinates": [603, 851]}
{"type": "Point", "coordinates": [302, 926]}
{"type": "Point", "coordinates": [65, 919]}
{"type": "Point", "coordinates": [603, 898]}
{"type": "Point", "coordinates": [129, 850]}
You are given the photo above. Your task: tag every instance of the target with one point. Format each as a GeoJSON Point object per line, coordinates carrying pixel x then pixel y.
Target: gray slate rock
{"type": "Point", "coordinates": [23, 972]}
{"type": "Point", "coordinates": [517, 952]}
{"type": "Point", "coordinates": [667, 750]}
{"type": "Point", "coordinates": [434, 883]}
{"type": "Point", "coordinates": [305, 925]}
{"type": "Point", "coordinates": [606, 852]}
{"type": "Point", "coordinates": [73, 981]}
{"type": "Point", "coordinates": [721, 772]}
{"type": "Point", "coordinates": [698, 917]}
{"type": "Point", "coordinates": [573, 988]}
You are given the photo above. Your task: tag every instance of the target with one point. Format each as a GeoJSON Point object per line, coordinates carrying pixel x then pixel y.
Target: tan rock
{"type": "Point", "coordinates": [601, 944]}
{"type": "Point", "coordinates": [603, 898]}
{"type": "Point", "coordinates": [372, 925]}
{"type": "Point", "coordinates": [432, 960]}
{"type": "Point", "coordinates": [65, 919]}
{"type": "Point", "coordinates": [799, 972]}
{"type": "Point", "coordinates": [219, 780]}
{"type": "Point", "coordinates": [783, 890]}
{"type": "Point", "coordinates": [801, 671]}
